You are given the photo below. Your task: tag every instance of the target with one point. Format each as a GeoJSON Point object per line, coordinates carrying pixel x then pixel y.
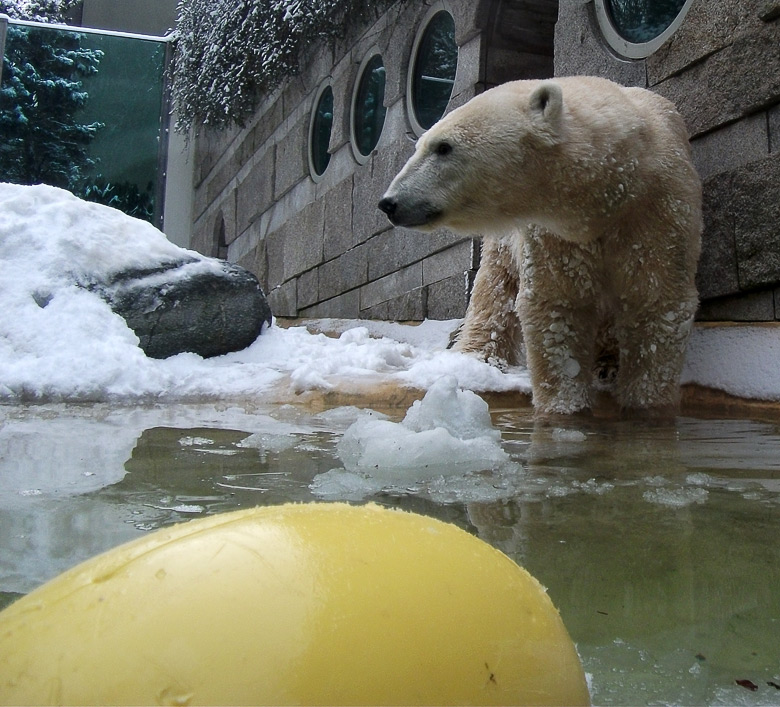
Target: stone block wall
{"type": "Point", "coordinates": [722, 70]}
{"type": "Point", "coordinates": [322, 248]}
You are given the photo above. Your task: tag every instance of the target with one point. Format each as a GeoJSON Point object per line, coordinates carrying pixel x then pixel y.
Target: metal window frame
{"type": "Point", "coordinates": [411, 114]}
{"type": "Point", "coordinates": [634, 50]}
{"type": "Point", "coordinates": [326, 83]}
{"type": "Point", "coordinates": [360, 158]}
{"type": "Point", "coordinates": [4, 19]}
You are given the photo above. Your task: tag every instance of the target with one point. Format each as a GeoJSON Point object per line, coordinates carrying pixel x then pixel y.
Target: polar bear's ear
{"type": "Point", "coordinates": [546, 107]}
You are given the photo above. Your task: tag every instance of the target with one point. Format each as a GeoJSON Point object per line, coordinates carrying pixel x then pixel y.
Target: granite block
{"type": "Point", "coordinates": [735, 145]}
{"type": "Point", "coordinates": [448, 299]}
{"type": "Point", "coordinates": [347, 272]}
{"type": "Point", "coordinates": [391, 286]}
{"type": "Point", "coordinates": [747, 307]}
{"type": "Point", "coordinates": [741, 79]}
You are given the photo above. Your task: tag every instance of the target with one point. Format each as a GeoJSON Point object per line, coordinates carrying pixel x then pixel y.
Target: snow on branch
{"type": "Point", "coordinates": [229, 53]}
{"type": "Point", "coordinates": [36, 10]}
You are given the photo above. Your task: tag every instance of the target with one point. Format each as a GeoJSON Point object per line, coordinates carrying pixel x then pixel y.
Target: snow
{"type": "Point", "coordinates": [741, 360]}
{"type": "Point", "coordinates": [59, 341]}
{"type": "Point", "coordinates": [36, 10]}
{"type": "Point", "coordinates": [229, 52]}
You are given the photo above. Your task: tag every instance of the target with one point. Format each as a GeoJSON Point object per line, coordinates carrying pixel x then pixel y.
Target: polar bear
{"type": "Point", "coordinates": [590, 209]}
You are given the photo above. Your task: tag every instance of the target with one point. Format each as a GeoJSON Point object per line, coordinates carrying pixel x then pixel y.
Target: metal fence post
{"type": "Point", "coordinates": [3, 28]}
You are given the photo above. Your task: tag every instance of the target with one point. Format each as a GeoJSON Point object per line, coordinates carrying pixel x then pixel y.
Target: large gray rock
{"type": "Point", "coordinates": [208, 307]}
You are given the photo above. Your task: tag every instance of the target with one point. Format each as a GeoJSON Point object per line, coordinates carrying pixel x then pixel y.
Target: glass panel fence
{"type": "Point", "coordinates": [86, 111]}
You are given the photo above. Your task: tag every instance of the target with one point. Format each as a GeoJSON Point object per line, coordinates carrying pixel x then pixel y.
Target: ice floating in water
{"type": "Point", "coordinates": [447, 433]}
{"type": "Point", "coordinates": [676, 497]}
{"type": "Point", "coordinates": [564, 435]}
{"type": "Point", "coordinates": [269, 442]}
{"type": "Point", "coordinates": [195, 441]}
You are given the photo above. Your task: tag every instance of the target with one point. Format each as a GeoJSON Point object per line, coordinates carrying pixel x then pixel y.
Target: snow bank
{"type": "Point", "coordinates": [59, 341]}
{"type": "Point", "coordinates": [740, 360]}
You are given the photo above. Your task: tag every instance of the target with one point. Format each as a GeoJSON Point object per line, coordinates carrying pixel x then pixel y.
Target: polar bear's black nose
{"type": "Point", "coordinates": [388, 205]}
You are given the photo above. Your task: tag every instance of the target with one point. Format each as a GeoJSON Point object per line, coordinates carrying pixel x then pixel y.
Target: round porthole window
{"type": "Point", "coordinates": [434, 62]}
{"type": "Point", "coordinates": [637, 28]}
{"type": "Point", "coordinates": [320, 130]}
{"type": "Point", "coordinates": [368, 108]}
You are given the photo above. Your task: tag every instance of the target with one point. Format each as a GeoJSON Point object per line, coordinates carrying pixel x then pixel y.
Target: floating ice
{"type": "Point", "coordinates": [269, 442]}
{"type": "Point", "coordinates": [195, 441]}
{"type": "Point", "coordinates": [565, 435]}
{"type": "Point", "coordinates": [676, 497]}
{"type": "Point", "coordinates": [340, 417]}
{"type": "Point", "coordinates": [447, 434]}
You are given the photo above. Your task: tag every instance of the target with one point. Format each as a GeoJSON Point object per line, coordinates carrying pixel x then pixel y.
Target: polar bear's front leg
{"type": "Point", "coordinates": [559, 353]}
{"type": "Point", "coordinates": [652, 353]}
{"type": "Point", "coordinates": [491, 329]}
{"type": "Point", "coordinates": [558, 307]}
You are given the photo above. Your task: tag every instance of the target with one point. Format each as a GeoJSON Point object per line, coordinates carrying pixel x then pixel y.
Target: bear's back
{"type": "Point", "coordinates": [652, 104]}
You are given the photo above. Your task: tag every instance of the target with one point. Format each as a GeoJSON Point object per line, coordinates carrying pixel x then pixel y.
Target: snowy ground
{"type": "Point", "coordinates": [58, 341]}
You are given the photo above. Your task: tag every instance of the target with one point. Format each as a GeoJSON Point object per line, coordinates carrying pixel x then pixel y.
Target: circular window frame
{"type": "Point", "coordinates": [360, 158]}
{"type": "Point", "coordinates": [324, 86]}
{"type": "Point", "coordinates": [434, 10]}
{"type": "Point", "coordinates": [633, 50]}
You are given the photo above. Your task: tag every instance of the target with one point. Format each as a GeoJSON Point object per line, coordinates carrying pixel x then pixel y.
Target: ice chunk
{"type": "Point", "coordinates": [195, 441]}
{"type": "Point", "coordinates": [462, 413]}
{"type": "Point", "coordinates": [341, 485]}
{"type": "Point", "coordinates": [676, 498]}
{"type": "Point", "coordinates": [268, 442]}
{"type": "Point", "coordinates": [448, 432]}
{"type": "Point", "coordinates": [343, 417]}
{"type": "Point", "coordinates": [565, 435]}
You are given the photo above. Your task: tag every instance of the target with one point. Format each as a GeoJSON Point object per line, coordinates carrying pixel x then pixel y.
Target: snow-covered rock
{"type": "Point", "coordinates": [191, 306]}
{"type": "Point", "coordinates": [56, 249]}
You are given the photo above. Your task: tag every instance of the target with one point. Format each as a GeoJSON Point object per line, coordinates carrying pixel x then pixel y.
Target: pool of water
{"type": "Point", "coordinates": [658, 544]}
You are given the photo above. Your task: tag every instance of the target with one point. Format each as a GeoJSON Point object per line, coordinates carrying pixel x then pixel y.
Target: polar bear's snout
{"type": "Point", "coordinates": [389, 205]}
{"type": "Point", "coordinates": [411, 213]}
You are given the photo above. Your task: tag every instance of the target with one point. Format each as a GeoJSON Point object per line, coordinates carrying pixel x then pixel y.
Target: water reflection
{"type": "Point", "coordinates": [657, 544]}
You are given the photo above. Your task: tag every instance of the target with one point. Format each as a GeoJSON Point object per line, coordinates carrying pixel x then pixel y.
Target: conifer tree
{"type": "Point", "coordinates": [36, 10]}
{"type": "Point", "coordinates": [41, 139]}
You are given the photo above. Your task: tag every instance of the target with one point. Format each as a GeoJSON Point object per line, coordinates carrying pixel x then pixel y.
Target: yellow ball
{"type": "Point", "coordinates": [295, 604]}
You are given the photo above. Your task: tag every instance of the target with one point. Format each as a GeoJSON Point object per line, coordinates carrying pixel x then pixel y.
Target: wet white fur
{"type": "Point", "coordinates": [590, 209]}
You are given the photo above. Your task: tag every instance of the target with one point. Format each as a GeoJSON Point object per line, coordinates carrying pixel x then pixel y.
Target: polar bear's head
{"type": "Point", "coordinates": [480, 166]}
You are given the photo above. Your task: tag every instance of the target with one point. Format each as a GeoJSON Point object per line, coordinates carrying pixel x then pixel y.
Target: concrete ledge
{"type": "Point", "coordinates": [698, 401]}
{"type": "Point", "coordinates": [722, 358]}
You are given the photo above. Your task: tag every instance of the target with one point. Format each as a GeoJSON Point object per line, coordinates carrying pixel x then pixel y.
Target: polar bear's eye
{"type": "Point", "coordinates": [443, 148]}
